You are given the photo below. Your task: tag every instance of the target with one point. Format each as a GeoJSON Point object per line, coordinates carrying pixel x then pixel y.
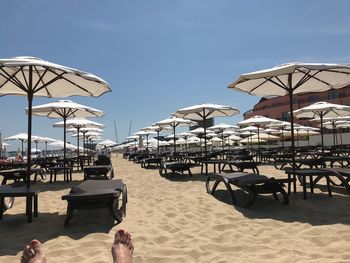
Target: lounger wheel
{"type": "Point", "coordinates": [245, 196]}
{"type": "Point", "coordinates": [281, 195]}
{"type": "Point", "coordinates": [9, 204]}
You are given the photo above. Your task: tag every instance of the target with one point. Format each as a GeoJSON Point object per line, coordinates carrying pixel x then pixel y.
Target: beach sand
{"type": "Point", "coordinates": [175, 220]}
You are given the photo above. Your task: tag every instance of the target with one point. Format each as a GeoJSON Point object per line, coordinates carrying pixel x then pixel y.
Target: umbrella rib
{"type": "Point", "coordinates": [41, 80]}
{"type": "Point", "coordinates": [71, 82]}
{"type": "Point", "coordinates": [271, 80]}
{"type": "Point", "coordinates": [49, 82]}
{"type": "Point", "coordinates": [12, 79]}
{"type": "Point", "coordinates": [304, 79]}
{"type": "Point", "coordinates": [24, 77]}
{"type": "Point", "coordinates": [312, 76]}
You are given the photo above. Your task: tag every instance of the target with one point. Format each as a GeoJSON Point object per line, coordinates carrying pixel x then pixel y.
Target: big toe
{"type": "Point", "coordinates": [118, 236]}
{"type": "Point", "coordinates": [36, 246]}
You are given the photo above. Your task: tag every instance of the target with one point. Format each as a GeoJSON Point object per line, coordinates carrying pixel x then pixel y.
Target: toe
{"type": "Point", "coordinates": [118, 236]}
{"type": "Point", "coordinates": [36, 246]}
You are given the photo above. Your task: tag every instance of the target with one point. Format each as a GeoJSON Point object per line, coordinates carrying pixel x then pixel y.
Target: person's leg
{"type": "Point", "coordinates": [122, 248]}
{"type": "Point", "coordinates": [33, 253]}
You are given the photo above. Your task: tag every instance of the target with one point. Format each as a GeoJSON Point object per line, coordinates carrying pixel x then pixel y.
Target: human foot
{"type": "Point", "coordinates": [33, 253]}
{"type": "Point", "coordinates": [122, 248]}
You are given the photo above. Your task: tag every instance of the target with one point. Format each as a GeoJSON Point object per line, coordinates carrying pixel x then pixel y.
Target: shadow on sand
{"type": "Point", "coordinates": [185, 177]}
{"type": "Point", "coordinates": [299, 210]}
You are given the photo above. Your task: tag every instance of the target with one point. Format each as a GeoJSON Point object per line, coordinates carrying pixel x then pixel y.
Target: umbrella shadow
{"type": "Point", "coordinates": [56, 186]}
{"type": "Point", "coordinates": [178, 177]}
{"type": "Point", "coordinates": [16, 233]}
{"type": "Point", "coordinates": [318, 209]}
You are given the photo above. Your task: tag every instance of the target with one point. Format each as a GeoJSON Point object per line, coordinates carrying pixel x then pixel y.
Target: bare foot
{"type": "Point", "coordinates": [122, 248]}
{"type": "Point", "coordinates": [33, 253]}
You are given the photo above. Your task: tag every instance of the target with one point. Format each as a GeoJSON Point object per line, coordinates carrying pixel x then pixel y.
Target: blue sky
{"type": "Point", "coordinates": [162, 55]}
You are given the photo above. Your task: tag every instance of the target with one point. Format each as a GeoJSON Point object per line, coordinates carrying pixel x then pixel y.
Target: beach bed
{"type": "Point", "coordinates": [250, 185]}
{"type": "Point", "coordinates": [92, 194]}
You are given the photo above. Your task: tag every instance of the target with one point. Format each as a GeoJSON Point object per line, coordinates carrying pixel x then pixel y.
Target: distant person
{"type": "Point", "coordinates": [122, 250]}
{"type": "Point", "coordinates": [19, 158]}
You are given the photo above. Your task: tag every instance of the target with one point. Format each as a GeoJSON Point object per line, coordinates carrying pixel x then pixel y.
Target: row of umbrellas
{"type": "Point", "coordinates": [32, 77]}
{"type": "Point", "coordinates": [293, 78]}
{"type": "Point", "coordinates": [187, 117]}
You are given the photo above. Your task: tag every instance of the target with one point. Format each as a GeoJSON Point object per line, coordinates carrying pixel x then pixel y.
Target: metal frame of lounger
{"type": "Point", "coordinates": [342, 174]}
{"type": "Point", "coordinates": [92, 194]}
{"type": "Point", "coordinates": [252, 184]}
{"type": "Point", "coordinates": [175, 167]}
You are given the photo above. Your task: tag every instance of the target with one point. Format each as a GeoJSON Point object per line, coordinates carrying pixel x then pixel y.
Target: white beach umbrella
{"type": "Point", "coordinates": [157, 129]}
{"type": "Point", "coordinates": [322, 109]}
{"type": "Point", "coordinates": [175, 122]}
{"type": "Point", "coordinates": [61, 145]}
{"type": "Point", "coordinates": [293, 78]}
{"type": "Point", "coordinates": [65, 109]}
{"type": "Point", "coordinates": [31, 77]}
{"type": "Point", "coordinates": [147, 133]}
{"type": "Point", "coordinates": [105, 143]}
{"type": "Point", "coordinates": [206, 111]}
{"type": "Point", "coordinates": [19, 136]}
{"type": "Point", "coordinates": [80, 125]}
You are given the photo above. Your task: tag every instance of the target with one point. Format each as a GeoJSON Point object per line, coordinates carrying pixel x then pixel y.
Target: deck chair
{"type": "Point", "coordinates": [250, 185]}
{"type": "Point", "coordinates": [175, 167]}
{"type": "Point", "coordinates": [92, 194]}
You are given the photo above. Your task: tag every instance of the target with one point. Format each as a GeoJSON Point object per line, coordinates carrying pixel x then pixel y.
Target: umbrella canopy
{"type": "Point", "coordinates": [175, 122]}
{"type": "Point", "coordinates": [32, 76]}
{"type": "Point", "coordinates": [65, 109]}
{"type": "Point", "coordinates": [322, 109]}
{"type": "Point", "coordinates": [61, 145]}
{"type": "Point", "coordinates": [293, 78]}
{"type": "Point", "coordinates": [157, 129]}
{"type": "Point", "coordinates": [19, 136]}
{"type": "Point", "coordinates": [234, 138]}
{"type": "Point", "coordinates": [206, 111]}
{"type": "Point", "coordinates": [106, 143]}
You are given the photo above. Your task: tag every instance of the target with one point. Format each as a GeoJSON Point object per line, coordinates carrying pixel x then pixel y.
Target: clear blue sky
{"type": "Point", "coordinates": [162, 55]}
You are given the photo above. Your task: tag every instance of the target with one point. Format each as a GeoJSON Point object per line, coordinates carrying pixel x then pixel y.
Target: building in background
{"type": "Point", "coordinates": [278, 107]}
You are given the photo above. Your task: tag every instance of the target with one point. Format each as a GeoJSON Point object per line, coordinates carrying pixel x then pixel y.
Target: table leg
{"type": "Point", "coordinates": [328, 186]}
{"type": "Point", "coordinates": [2, 206]}
{"type": "Point", "coordinates": [304, 187]}
{"type": "Point", "coordinates": [289, 183]}
{"type": "Point", "coordinates": [30, 209]}
{"type": "Point", "coordinates": [36, 205]}
{"type": "Point", "coordinates": [311, 184]}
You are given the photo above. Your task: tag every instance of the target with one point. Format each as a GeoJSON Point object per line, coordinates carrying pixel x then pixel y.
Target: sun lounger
{"type": "Point", "coordinates": [342, 174]}
{"type": "Point", "coordinates": [92, 194]}
{"type": "Point", "coordinates": [250, 185]}
{"type": "Point", "coordinates": [98, 172]}
{"type": "Point", "coordinates": [175, 167]}
{"type": "Point", "coordinates": [147, 162]}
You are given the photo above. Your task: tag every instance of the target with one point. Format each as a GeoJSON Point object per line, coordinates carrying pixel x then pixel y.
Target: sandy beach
{"type": "Point", "coordinates": [175, 220]}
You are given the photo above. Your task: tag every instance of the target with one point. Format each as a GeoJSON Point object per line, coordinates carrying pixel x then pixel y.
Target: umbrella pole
{"type": "Point", "coordinates": [158, 143]}
{"type": "Point", "coordinates": [333, 124]}
{"type": "Point", "coordinates": [174, 140]}
{"type": "Point", "coordinates": [29, 141]}
{"type": "Point", "coordinates": [322, 143]}
{"type": "Point", "coordinates": [297, 138]}
{"type": "Point", "coordinates": [222, 140]}
{"type": "Point", "coordinates": [308, 138]}
{"type": "Point", "coordinates": [290, 94]}
{"type": "Point", "coordinates": [64, 138]}
{"type": "Point", "coordinates": [22, 152]}
{"type": "Point", "coordinates": [258, 143]}
{"type": "Point", "coordinates": [205, 132]}
{"type": "Point", "coordinates": [78, 129]}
